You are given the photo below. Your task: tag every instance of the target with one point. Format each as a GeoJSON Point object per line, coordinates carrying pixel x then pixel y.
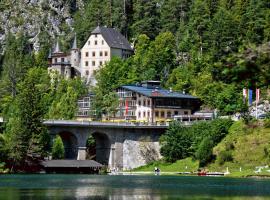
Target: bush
{"type": "Point", "coordinates": [224, 156]}
{"type": "Point", "coordinates": [204, 152]}
{"type": "Point", "coordinates": [58, 150]}
{"type": "Point", "coordinates": [198, 140]}
{"type": "Point", "coordinates": [176, 142]}
{"type": "Point", "coordinates": [267, 123]}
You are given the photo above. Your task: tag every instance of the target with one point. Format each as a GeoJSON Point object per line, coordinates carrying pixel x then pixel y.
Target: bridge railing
{"type": "Point", "coordinates": [122, 124]}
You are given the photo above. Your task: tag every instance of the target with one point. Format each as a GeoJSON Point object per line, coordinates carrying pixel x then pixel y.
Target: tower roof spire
{"type": "Point", "coordinates": [50, 53]}
{"type": "Point", "coordinates": [57, 47]}
{"type": "Point", "coordinates": [74, 45]}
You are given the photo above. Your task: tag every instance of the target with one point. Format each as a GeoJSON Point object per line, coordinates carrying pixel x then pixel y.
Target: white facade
{"type": "Point", "coordinates": [95, 53]}
{"type": "Point", "coordinates": [101, 46]}
{"type": "Point", "coordinates": [134, 105]}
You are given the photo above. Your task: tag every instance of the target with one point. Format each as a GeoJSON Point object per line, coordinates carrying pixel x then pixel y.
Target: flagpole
{"type": "Point", "coordinates": [256, 109]}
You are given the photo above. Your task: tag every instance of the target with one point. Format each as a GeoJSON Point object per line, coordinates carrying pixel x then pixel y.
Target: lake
{"type": "Point", "coordinates": [65, 187]}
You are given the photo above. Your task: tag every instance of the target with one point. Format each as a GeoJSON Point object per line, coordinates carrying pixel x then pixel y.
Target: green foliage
{"type": "Point", "coordinates": [26, 135]}
{"type": "Point", "coordinates": [58, 150]}
{"type": "Point", "coordinates": [244, 145]}
{"type": "Point", "coordinates": [176, 142]}
{"type": "Point", "coordinates": [184, 165]}
{"type": "Point", "coordinates": [225, 156]}
{"type": "Point", "coordinates": [249, 67]}
{"type": "Point", "coordinates": [197, 141]}
{"type": "Point", "coordinates": [204, 151]}
{"type": "Point", "coordinates": [2, 148]}
{"type": "Point", "coordinates": [16, 61]}
{"type": "Point", "coordinates": [146, 18]}
{"type": "Point", "coordinates": [63, 98]}
{"type": "Point", "coordinates": [109, 77]}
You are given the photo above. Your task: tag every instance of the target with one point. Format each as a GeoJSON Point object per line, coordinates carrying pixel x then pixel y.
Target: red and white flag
{"type": "Point", "coordinates": [245, 94]}
{"type": "Point", "coordinates": [126, 105]}
{"type": "Point", "coordinates": [257, 95]}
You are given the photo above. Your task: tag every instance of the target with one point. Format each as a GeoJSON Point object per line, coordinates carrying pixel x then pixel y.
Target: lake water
{"type": "Point", "coordinates": [65, 187]}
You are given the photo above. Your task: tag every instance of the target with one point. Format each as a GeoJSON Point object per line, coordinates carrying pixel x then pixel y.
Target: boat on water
{"type": "Point", "coordinates": [203, 173]}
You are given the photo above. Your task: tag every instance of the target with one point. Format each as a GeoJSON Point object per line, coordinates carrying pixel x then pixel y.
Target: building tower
{"type": "Point", "coordinates": [75, 54]}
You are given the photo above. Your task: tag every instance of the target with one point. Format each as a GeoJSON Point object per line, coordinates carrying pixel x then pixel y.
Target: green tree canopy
{"type": "Point", "coordinates": [58, 150]}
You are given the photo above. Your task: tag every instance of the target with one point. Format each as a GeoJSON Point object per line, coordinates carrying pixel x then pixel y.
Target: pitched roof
{"type": "Point", "coordinates": [74, 45]}
{"type": "Point", "coordinates": [70, 163]}
{"type": "Point", "coordinates": [113, 38]}
{"type": "Point", "coordinates": [161, 93]}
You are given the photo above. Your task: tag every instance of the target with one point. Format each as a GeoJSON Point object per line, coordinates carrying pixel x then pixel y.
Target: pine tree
{"type": "Point", "coordinates": [173, 12]}
{"type": "Point", "coordinates": [146, 18]}
{"type": "Point", "coordinates": [58, 150]}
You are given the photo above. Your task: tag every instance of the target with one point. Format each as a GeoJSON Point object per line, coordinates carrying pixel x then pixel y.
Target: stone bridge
{"type": "Point", "coordinates": [118, 145]}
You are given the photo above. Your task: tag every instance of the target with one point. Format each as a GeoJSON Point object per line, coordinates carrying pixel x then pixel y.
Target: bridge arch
{"type": "Point", "coordinates": [101, 148]}
{"type": "Point", "coordinates": [70, 142]}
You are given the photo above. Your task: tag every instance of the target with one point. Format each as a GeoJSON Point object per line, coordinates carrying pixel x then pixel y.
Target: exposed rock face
{"type": "Point", "coordinates": [33, 16]}
{"type": "Point", "coordinates": [138, 152]}
{"type": "Point", "coordinates": [262, 108]}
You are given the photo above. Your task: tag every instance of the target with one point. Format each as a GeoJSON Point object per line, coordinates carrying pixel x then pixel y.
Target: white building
{"type": "Point", "coordinates": [150, 103]}
{"type": "Point", "coordinates": [102, 44]}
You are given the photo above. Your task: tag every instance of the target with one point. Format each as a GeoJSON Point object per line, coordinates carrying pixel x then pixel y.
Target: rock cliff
{"type": "Point", "coordinates": [34, 16]}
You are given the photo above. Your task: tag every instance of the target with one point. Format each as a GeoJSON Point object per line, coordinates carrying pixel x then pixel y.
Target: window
{"type": "Point", "coordinates": [100, 53]}
{"type": "Point", "coordinates": [143, 102]}
{"type": "Point", "coordinates": [86, 54]}
{"type": "Point", "coordinates": [139, 114]}
{"type": "Point", "coordinates": [55, 60]}
{"type": "Point", "coordinates": [100, 63]}
{"type": "Point", "coordinates": [169, 114]}
{"type": "Point", "coordinates": [62, 59]}
{"type": "Point", "coordinates": [143, 113]}
{"type": "Point", "coordinates": [106, 53]}
{"type": "Point", "coordinates": [86, 63]}
{"type": "Point", "coordinates": [162, 114]}
{"type": "Point", "coordinates": [86, 72]}
{"type": "Point", "coordinates": [93, 63]}
{"type": "Point", "coordinates": [157, 114]}
{"type": "Point", "coordinates": [95, 42]}
{"type": "Point", "coordinates": [148, 102]}
{"type": "Point", "coordinates": [148, 114]}
{"type": "Point", "coordinates": [139, 103]}
{"type": "Point", "coordinates": [93, 54]}
{"type": "Point", "coordinates": [102, 41]}
{"type": "Point", "coordinates": [175, 112]}
{"type": "Point", "coordinates": [95, 35]}
{"type": "Point", "coordinates": [88, 42]}
{"type": "Point", "coordinates": [185, 112]}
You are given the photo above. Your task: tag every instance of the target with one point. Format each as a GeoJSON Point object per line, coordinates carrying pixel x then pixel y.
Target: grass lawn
{"type": "Point", "coordinates": [185, 165]}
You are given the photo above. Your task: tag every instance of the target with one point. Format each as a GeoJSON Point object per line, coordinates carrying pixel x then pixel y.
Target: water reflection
{"type": "Point", "coordinates": [65, 187]}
